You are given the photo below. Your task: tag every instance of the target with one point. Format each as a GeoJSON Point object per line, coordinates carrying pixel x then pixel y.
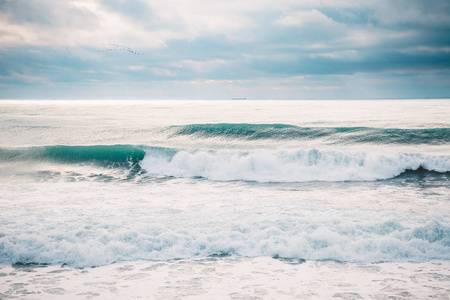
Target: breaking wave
{"type": "Point", "coordinates": [261, 165]}
{"type": "Point", "coordinates": [319, 237]}
{"type": "Point", "coordinates": [286, 165]}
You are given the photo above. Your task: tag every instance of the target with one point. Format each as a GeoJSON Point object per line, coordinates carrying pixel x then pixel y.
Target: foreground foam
{"type": "Point", "coordinates": [311, 238]}
{"type": "Point", "coordinates": [286, 165]}
{"type": "Point", "coordinates": [229, 278]}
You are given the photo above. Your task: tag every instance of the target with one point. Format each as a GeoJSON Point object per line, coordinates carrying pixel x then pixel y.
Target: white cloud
{"type": "Point", "coordinates": [203, 66]}
{"type": "Point", "coordinates": [79, 23]}
{"type": "Point", "coordinates": [136, 68]}
{"type": "Point", "coordinates": [163, 72]}
{"type": "Point", "coordinates": [25, 78]}
{"type": "Point", "coordinates": [194, 18]}
{"type": "Point", "coordinates": [369, 37]}
{"type": "Point", "coordinates": [304, 87]}
{"type": "Point", "coordinates": [300, 18]}
{"type": "Point", "coordinates": [211, 41]}
{"type": "Point", "coordinates": [211, 81]}
{"type": "Point", "coordinates": [90, 23]}
{"type": "Point", "coordinates": [345, 54]}
{"type": "Point", "coordinates": [426, 49]}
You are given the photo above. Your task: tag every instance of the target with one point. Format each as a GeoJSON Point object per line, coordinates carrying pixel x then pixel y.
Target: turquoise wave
{"type": "Point", "coordinates": [433, 136]}
{"type": "Point", "coordinates": [253, 165]}
{"type": "Point", "coordinates": [110, 155]}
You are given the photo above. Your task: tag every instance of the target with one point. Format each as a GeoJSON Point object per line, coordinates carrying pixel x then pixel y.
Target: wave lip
{"type": "Point", "coordinates": [432, 136]}
{"type": "Point", "coordinates": [300, 165]}
{"type": "Point", "coordinates": [109, 155]}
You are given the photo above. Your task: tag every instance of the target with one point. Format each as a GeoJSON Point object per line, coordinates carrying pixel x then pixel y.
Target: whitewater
{"type": "Point", "coordinates": [191, 196]}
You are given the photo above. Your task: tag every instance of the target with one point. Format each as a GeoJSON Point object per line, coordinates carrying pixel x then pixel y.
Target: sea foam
{"type": "Point", "coordinates": [319, 237]}
{"type": "Point", "coordinates": [286, 165]}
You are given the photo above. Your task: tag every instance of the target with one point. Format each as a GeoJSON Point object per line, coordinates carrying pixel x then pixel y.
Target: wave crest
{"type": "Point", "coordinates": [346, 135]}
{"type": "Point", "coordinates": [109, 155]}
{"type": "Point", "coordinates": [286, 165]}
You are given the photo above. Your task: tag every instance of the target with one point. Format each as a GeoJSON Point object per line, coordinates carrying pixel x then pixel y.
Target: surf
{"type": "Point", "coordinates": [256, 165]}
{"type": "Point", "coordinates": [299, 165]}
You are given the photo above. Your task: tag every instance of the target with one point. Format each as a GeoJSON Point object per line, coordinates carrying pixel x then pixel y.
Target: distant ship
{"type": "Point", "coordinates": [238, 98]}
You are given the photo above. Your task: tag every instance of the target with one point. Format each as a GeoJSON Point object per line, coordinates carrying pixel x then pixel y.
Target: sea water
{"type": "Point", "coordinates": [192, 196]}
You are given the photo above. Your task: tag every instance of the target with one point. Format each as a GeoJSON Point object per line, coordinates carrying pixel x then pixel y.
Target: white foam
{"type": "Point", "coordinates": [312, 242]}
{"type": "Point", "coordinates": [230, 278]}
{"type": "Point", "coordinates": [98, 223]}
{"type": "Point", "coordinates": [288, 165]}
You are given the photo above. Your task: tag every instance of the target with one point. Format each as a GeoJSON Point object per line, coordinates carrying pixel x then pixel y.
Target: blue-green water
{"type": "Point", "coordinates": [90, 183]}
{"type": "Point", "coordinates": [336, 135]}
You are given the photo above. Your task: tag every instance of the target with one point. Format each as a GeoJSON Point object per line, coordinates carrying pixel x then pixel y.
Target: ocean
{"type": "Point", "coordinates": [235, 199]}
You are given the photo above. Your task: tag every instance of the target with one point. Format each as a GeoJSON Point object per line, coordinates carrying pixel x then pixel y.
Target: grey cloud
{"type": "Point", "coordinates": [428, 13]}
{"type": "Point", "coordinates": [47, 13]}
{"type": "Point", "coordinates": [369, 63]}
{"type": "Point", "coordinates": [402, 44]}
{"type": "Point", "coordinates": [137, 9]}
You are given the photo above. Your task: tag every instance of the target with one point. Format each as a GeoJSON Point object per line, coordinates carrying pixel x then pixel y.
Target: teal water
{"type": "Point", "coordinates": [103, 154]}
{"type": "Point", "coordinates": [89, 183]}
{"type": "Point", "coordinates": [349, 135]}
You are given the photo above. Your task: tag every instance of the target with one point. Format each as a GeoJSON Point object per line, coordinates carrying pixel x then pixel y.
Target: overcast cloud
{"type": "Point", "coordinates": [198, 49]}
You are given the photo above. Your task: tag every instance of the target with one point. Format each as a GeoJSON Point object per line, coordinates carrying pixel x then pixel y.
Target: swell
{"type": "Point", "coordinates": [108, 155]}
{"type": "Point", "coordinates": [432, 136]}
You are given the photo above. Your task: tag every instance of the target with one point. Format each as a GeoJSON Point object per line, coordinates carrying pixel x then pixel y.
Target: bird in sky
{"type": "Point", "coordinates": [117, 47]}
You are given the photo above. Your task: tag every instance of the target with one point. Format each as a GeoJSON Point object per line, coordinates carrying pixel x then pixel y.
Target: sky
{"type": "Point", "coordinates": [208, 49]}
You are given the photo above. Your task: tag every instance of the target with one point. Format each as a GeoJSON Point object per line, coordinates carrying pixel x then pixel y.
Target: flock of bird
{"type": "Point", "coordinates": [116, 47]}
